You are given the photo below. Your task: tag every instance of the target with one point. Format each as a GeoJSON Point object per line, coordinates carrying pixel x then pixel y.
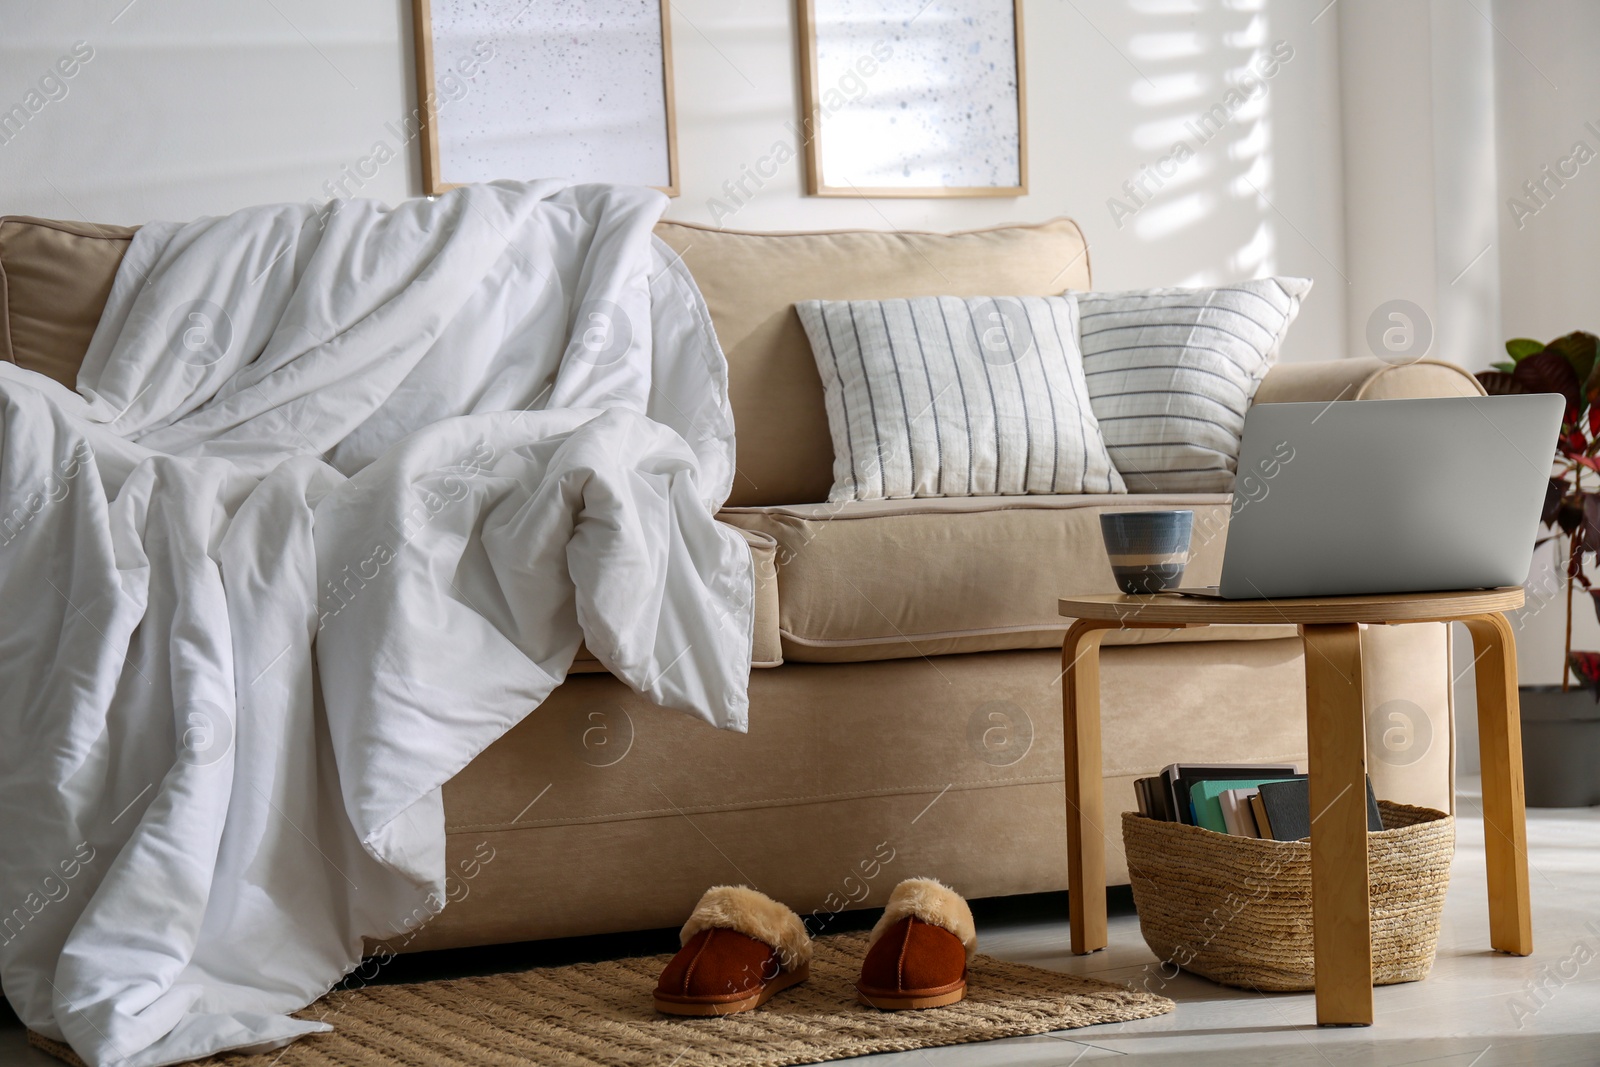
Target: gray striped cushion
{"type": "Point", "coordinates": [1171, 373]}
{"type": "Point", "coordinates": [952, 396]}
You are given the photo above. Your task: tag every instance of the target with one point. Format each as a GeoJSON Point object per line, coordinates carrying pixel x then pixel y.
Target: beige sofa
{"type": "Point", "coordinates": [905, 709]}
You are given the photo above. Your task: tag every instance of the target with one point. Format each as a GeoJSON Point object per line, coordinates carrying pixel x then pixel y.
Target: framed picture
{"type": "Point", "coordinates": [913, 98]}
{"type": "Point", "coordinates": [522, 89]}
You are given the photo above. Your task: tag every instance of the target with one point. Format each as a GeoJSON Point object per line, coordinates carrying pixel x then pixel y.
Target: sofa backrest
{"type": "Point", "coordinates": [752, 281]}
{"type": "Point", "coordinates": [55, 278]}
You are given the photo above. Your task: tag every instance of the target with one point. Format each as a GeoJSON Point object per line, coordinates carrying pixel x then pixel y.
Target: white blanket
{"type": "Point", "coordinates": [337, 503]}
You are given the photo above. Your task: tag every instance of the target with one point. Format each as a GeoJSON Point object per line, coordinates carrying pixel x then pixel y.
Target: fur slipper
{"type": "Point", "coordinates": [740, 947]}
{"type": "Point", "coordinates": [918, 954]}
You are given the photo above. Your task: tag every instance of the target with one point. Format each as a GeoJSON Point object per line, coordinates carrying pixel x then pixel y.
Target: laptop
{"type": "Point", "coordinates": [1387, 496]}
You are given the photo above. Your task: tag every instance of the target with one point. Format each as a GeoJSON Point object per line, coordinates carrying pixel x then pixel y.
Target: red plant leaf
{"type": "Point", "coordinates": [1591, 387]}
{"type": "Point", "coordinates": [1549, 372]}
{"type": "Point", "coordinates": [1552, 499]}
{"type": "Point", "coordinates": [1588, 461]}
{"type": "Point", "coordinates": [1499, 383]}
{"type": "Point", "coordinates": [1577, 348]}
{"type": "Point", "coordinates": [1589, 531]}
{"type": "Point", "coordinates": [1586, 664]}
{"type": "Point", "coordinates": [1568, 517]}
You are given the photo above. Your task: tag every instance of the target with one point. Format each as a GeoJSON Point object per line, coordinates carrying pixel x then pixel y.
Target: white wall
{"type": "Point", "coordinates": [191, 107]}
{"type": "Point", "coordinates": [1417, 94]}
{"type": "Point", "coordinates": [1547, 79]}
{"type": "Point", "coordinates": [1386, 98]}
{"type": "Point", "coordinates": [1466, 209]}
{"type": "Point", "coordinates": [1547, 86]}
{"type": "Point", "coordinates": [1515, 88]}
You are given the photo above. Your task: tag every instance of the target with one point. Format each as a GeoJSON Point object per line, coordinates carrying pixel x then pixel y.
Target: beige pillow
{"type": "Point", "coordinates": [752, 281]}
{"type": "Point", "coordinates": [54, 281]}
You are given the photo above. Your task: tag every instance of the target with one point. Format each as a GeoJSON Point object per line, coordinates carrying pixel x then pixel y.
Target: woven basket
{"type": "Point", "coordinates": [1238, 909]}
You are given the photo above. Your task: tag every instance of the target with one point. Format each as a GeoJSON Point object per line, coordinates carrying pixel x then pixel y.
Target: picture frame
{"type": "Point", "coordinates": [456, 45]}
{"type": "Point", "coordinates": [847, 153]}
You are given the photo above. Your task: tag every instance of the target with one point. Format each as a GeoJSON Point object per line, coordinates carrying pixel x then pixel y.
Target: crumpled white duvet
{"type": "Point", "coordinates": [336, 501]}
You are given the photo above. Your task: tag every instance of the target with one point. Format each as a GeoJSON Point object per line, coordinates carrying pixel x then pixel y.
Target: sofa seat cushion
{"type": "Point", "coordinates": [887, 579]}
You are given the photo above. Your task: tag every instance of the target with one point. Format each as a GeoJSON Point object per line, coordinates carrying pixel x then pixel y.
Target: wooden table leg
{"type": "Point", "coordinates": [1336, 736]}
{"type": "Point", "coordinates": [1505, 831]}
{"type": "Point", "coordinates": [1086, 846]}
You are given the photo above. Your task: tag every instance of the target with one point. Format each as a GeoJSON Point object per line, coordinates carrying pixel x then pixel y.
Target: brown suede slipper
{"type": "Point", "coordinates": [917, 956]}
{"type": "Point", "coordinates": [740, 947]}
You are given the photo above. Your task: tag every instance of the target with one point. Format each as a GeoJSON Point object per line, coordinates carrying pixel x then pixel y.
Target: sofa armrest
{"type": "Point", "coordinates": [767, 650]}
{"type": "Point", "coordinates": [1365, 378]}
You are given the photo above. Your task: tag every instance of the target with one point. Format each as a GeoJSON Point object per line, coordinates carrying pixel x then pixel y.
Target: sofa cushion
{"type": "Point", "coordinates": [1172, 372]}
{"type": "Point", "coordinates": [872, 580]}
{"type": "Point", "coordinates": [751, 282]}
{"type": "Point", "coordinates": [54, 281]}
{"type": "Point", "coordinates": [956, 396]}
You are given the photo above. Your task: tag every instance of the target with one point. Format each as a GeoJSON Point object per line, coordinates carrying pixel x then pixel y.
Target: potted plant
{"type": "Point", "coordinates": [1561, 724]}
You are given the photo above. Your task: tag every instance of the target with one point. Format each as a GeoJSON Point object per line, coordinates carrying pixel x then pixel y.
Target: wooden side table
{"type": "Point", "coordinates": [1336, 738]}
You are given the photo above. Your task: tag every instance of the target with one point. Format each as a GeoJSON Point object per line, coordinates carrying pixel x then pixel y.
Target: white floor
{"type": "Point", "coordinates": [1477, 1009]}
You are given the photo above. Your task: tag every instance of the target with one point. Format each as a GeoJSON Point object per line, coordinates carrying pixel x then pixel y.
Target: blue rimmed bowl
{"type": "Point", "coordinates": [1148, 549]}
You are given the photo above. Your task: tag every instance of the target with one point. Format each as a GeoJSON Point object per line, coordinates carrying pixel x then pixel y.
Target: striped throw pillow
{"type": "Point", "coordinates": [952, 396]}
{"type": "Point", "coordinates": [1171, 373]}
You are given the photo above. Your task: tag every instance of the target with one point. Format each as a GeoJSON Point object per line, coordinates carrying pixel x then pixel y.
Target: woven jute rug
{"type": "Point", "coordinates": [600, 1014]}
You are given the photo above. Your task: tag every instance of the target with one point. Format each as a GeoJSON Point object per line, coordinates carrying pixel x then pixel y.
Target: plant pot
{"type": "Point", "coordinates": [1560, 746]}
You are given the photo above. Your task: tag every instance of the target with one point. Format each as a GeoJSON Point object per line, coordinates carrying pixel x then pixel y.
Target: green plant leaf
{"type": "Point", "coordinates": [1550, 372]}
{"type": "Point", "coordinates": [1520, 348]}
{"type": "Point", "coordinates": [1505, 366]}
{"type": "Point", "coordinates": [1577, 348]}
